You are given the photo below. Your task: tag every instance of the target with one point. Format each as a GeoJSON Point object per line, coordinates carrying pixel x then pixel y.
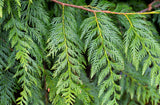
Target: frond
{"type": "Point", "coordinates": [102, 38]}
{"type": "Point", "coordinates": [7, 87]}
{"type": "Point", "coordinates": [7, 82]}
{"type": "Point", "coordinates": [36, 20]}
{"type": "Point", "coordinates": [65, 44]}
{"type": "Point", "coordinates": [137, 86]}
{"type": "Point", "coordinates": [141, 45]}
{"type": "Point", "coordinates": [29, 57]}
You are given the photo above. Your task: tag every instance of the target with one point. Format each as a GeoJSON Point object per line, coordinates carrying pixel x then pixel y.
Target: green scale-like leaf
{"type": "Point", "coordinates": [64, 46]}
{"type": "Point", "coordinates": [7, 82]}
{"type": "Point", "coordinates": [27, 51]}
{"type": "Point", "coordinates": [102, 38]}
{"type": "Point", "coordinates": [137, 86]}
{"type": "Point", "coordinates": [141, 46]}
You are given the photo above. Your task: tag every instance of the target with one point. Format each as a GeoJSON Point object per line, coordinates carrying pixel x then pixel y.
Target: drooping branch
{"type": "Point", "coordinates": [104, 11]}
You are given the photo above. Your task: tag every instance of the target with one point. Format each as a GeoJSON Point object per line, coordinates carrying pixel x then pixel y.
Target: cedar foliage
{"type": "Point", "coordinates": [52, 54]}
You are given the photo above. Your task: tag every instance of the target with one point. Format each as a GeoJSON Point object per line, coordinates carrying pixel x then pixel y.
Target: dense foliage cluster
{"type": "Point", "coordinates": [52, 54]}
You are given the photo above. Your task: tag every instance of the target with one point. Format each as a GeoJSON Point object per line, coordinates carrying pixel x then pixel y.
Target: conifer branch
{"type": "Point", "coordinates": [121, 53]}
{"type": "Point", "coordinates": [104, 11]}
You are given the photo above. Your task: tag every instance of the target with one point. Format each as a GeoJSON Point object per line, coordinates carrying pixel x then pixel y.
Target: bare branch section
{"type": "Point", "coordinates": [150, 6]}
{"type": "Point", "coordinates": [109, 12]}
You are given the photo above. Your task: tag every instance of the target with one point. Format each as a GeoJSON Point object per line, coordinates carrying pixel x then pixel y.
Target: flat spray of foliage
{"type": "Point", "coordinates": [60, 53]}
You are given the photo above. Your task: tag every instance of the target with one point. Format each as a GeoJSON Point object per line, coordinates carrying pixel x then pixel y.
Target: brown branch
{"type": "Point", "coordinates": [156, 6]}
{"type": "Point", "coordinates": [80, 7]}
{"type": "Point", "coordinates": [150, 5]}
{"type": "Point", "coordinates": [104, 11]}
{"type": "Point", "coordinates": [144, 10]}
{"type": "Point", "coordinates": [148, 9]}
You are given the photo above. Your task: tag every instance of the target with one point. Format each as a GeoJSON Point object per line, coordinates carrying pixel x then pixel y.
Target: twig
{"type": "Point", "coordinates": [104, 11]}
{"type": "Point", "coordinates": [150, 5]}
{"type": "Point", "coordinates": [148, 9]}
